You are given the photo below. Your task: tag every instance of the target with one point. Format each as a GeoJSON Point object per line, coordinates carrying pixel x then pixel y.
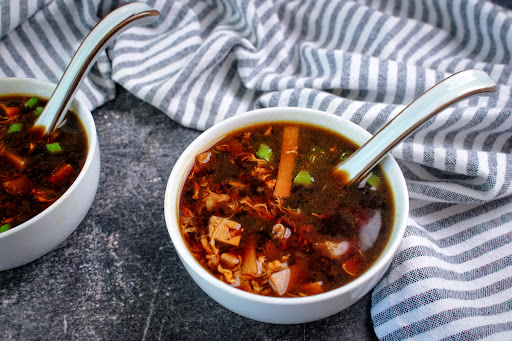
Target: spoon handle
{"type": "Point", "coordinates": [454, 88]}
{"type": "Point", "coordinates": [109, 28]}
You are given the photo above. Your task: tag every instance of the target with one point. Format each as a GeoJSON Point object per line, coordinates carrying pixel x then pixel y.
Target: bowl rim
{"type": "Point", "coordinates": [285, 114]}
{"type": "Point", "coordinates": [39, 88]}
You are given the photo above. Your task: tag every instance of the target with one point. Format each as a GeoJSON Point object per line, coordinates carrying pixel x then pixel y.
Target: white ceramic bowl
{"type": "Point", "coordinates": [39, 235]}
{"type": "Point", "coordinates": [279, 309]}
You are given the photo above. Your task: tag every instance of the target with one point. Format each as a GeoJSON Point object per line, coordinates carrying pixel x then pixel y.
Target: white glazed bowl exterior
{"type": "Point", "coordinates": [278, 309]}
{"type": "Point", "coordinates": [41, 234]}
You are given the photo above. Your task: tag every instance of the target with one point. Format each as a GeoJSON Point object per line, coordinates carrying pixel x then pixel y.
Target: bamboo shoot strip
{"type": "Point", "coordinates": [287, 162]}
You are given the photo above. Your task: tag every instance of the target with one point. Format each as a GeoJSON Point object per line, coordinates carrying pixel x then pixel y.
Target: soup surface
{"type": "Point", "coordinates": [35, 171]}
{"type": "Point", "coordinates": [262, 212]}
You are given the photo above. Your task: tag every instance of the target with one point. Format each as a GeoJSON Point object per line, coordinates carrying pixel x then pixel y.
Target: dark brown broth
{"type": "Point", "coordinates": [27, 188]}
{"type": "Point", "coordinates": [317, 215]}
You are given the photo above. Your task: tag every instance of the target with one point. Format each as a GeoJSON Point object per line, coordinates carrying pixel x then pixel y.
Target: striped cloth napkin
{"type": "Point", "coordinates": [204, 61]}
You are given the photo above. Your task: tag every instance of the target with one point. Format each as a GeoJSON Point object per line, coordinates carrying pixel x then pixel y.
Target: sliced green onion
{"type": "Point", "coordinates": [31, 103]}
{"type": "Point", "coordinates": [374, 181]}
{"type": "Point", "coordinates": [264, 152]}
{"type": "Point", "coordinates": [5, 227]}
{"type": "Point", "coordinates": [38, 111]}
{"type": "Point", "coordinates": [54, 148]}
{"type": "Point", "coordinates": [15, 127]}
{"type": "Point", "coordinates": [303, 178]}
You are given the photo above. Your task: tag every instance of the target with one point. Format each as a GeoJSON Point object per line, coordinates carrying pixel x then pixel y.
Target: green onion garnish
{"type": "Point", "coordinates": [5, 227]}
{"type": "Point", "coordinates": [15, 127]}
{"type": "Point", "coordinates": [303, 178]}
{"type": "Point", "coordinates": [31, 103]}
{"type": "Point", "coordinates": [374, 181]}
{"type": "Point", "coordinates": [264, 152]}
{"type": "Point", "coordinates": [54, 148]}
{"type": "Point", "coordinates": [38, 111]}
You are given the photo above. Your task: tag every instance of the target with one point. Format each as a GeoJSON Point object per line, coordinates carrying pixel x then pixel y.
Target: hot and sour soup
{"type": "Point", "coordinates": [35, 170]}
{"type": "Point", "coordinates": [262, 212]}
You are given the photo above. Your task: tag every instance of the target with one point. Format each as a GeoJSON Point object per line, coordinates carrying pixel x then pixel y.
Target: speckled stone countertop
{"type": "Point", "coordinates": [118, 276]}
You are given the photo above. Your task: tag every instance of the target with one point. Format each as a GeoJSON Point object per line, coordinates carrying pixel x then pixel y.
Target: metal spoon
{"type": "Point", "coordinates": [97, 40]}
{"type": "Point", "coordinates": [454, 88]}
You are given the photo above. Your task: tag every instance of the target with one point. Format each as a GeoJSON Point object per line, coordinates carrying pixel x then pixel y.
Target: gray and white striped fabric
{"type": "Point", "coordinates": [363, 60]}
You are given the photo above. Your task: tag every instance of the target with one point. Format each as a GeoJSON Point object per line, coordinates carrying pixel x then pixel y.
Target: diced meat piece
{"type": "Point", "coordinates": [18, 186]}
{"type": "Point", "coordinates": [335, 250]}
{"type": "Point", "coordinates": [225, 230]}
{"type": "Point", "coordinates": [279, 281]}
{"type": "Point", "coordinates": [229, 259]}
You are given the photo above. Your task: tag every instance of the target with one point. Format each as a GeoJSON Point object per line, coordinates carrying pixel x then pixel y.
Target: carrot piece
{"type": "Point", "coordinates": [311, 288]}
{"type": "Point", "coordinates": [62, 174]}
{"type": "Point", "coordinates": [14, 159]}
{"type": "Point", "coordinates": [10, 111]}
{"type": "Point", "coordinates": [18, 186]}
{"type": "Point", "coordinates": [287, 162]}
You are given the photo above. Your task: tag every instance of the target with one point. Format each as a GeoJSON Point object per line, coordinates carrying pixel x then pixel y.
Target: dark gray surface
{"type": "Point", "coordinates": [118, 276]}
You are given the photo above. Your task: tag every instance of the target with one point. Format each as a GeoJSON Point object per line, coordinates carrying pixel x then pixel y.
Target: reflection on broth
{"type": "Point", "coordinates": [35, 171]}
{"type": "Point", "coordinates": [261, 211]}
